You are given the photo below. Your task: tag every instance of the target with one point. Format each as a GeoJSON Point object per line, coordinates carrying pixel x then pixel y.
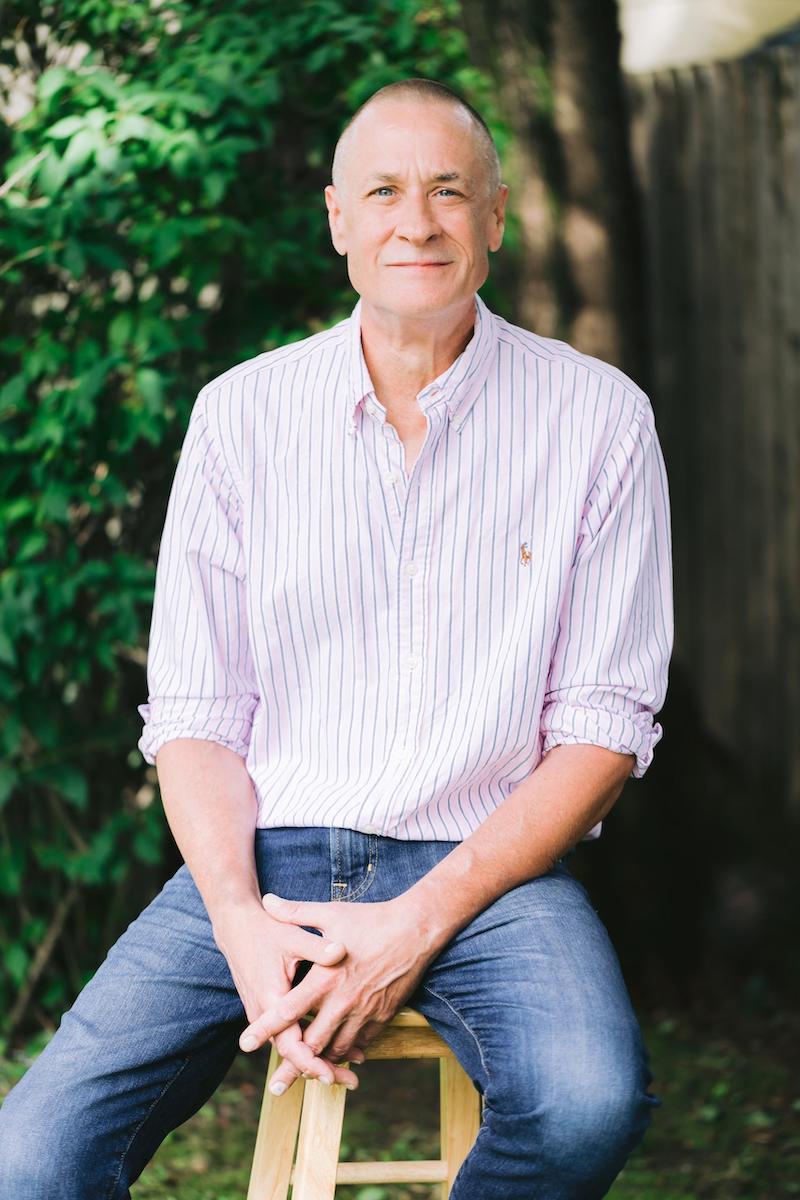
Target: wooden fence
{"type": "Point", "coordinates": [717, 155]}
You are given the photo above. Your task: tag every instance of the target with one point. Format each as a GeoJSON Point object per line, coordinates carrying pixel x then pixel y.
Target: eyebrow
{"type": "Point", "coordinates": [440, 177]}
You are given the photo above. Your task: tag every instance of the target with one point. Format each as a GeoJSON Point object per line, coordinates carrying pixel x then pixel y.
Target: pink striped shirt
{"type": "Point", "coordinates": [395, 653]}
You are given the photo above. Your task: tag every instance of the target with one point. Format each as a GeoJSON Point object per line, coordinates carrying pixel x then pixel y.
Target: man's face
{"type": "Point", "coordinates": [416, 244]}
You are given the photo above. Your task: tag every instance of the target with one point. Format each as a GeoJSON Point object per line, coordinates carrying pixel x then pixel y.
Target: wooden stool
{"type": "Point", "coordinates": [317, 1112]}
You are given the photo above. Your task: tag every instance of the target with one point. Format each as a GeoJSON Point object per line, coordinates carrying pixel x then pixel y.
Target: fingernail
{"type": "Point", "coordinates": [249, 1042]}
{"type": "Point", "coordinates": [277, 1089]}
{"type": "Point", "coordinates": [324, 1079]}
{"type": "Point", "coordinates": [351, 1087]}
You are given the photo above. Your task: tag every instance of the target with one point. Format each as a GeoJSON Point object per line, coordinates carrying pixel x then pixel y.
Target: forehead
{"type": "Point", "coordinates": [392, 134]}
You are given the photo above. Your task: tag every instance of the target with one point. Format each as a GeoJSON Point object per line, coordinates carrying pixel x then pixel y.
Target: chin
{"type": "Point", "coordinates": [418, 302]}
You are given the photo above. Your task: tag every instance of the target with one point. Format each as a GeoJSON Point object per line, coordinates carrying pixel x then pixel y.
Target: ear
{"type": "Point", "coordinates": [497, 218]}
{"type": "Point", "coordinates": [335, 219]}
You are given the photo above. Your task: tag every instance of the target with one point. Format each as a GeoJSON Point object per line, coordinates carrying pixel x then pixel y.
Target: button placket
{"type": "Point", "coordinates": [411, 597]}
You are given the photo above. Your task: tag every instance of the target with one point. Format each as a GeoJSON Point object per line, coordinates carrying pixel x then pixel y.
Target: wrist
{"type": "Point", "coordinates": [421, 912]}
{"type": "Point", "coordinates": [230, 915]}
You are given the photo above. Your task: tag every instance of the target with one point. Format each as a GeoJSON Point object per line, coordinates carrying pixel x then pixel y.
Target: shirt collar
{"type": "Point", "coordinates": [457, 387]}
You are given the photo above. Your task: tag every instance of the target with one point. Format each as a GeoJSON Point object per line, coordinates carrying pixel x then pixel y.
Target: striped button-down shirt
{"type": "Point", "coordinates": [395, 652]}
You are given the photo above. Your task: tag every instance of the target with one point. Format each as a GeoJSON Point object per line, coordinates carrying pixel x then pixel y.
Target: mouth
{"type": "Point", "coordinates": [419, 266]}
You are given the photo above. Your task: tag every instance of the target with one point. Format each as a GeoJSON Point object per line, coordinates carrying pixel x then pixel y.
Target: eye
{"type": "Point", "coordinates": [385, 188]}
{"type": "Point", "coordinates": [452, 191]}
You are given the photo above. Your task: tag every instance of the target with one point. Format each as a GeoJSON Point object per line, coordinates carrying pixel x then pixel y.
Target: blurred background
{"type": "Point", "coordinates": [162, 218]}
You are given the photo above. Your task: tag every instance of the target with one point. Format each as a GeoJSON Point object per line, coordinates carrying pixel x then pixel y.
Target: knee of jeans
{"type": "Point", "coordinates": [600, 1119]}
{"type": "Point", "coordinates": [583, 1109]}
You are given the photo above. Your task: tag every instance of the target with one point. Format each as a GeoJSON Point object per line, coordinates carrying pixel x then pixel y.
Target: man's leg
{"type": "Point", "coordinates": [145, 1044]}
{"type": "Point", "coordinates": [531, 999]}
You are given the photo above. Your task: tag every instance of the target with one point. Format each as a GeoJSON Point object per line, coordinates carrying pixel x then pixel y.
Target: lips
{"type": "Point", "coordinates": [420, 264]}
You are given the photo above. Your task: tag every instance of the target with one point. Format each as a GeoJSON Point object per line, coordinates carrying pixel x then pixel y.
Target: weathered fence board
{"type": "Point", "coordinates": [717, 155]}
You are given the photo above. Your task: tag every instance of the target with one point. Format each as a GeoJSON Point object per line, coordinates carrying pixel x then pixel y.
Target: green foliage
{"type": "Point", "coordinates": [162, 219]}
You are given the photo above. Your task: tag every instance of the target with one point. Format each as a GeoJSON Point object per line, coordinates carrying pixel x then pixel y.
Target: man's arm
{"type": "Point", "coordinates": [572, 789]}
{"type": "Point", "coordinates": [202, 697]}
{"type": "Point", "coordinates": [211, 809]}
{"type": "Point", "coordinates": [607, 678]}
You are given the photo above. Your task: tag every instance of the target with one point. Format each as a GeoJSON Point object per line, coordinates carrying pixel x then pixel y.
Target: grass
{"type": "Point", "coordinates": [728, 1129]}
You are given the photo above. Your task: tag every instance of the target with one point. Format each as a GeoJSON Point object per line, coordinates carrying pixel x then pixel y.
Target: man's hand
{"type": "Point", "coordinates": [388, 951]}
{"type": "Point", "coordinates": [263, 955]}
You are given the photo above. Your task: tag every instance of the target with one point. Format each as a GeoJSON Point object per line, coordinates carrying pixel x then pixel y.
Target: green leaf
{"type": "Point", "coordinates": [74, 259]}
{"type": "Point", "coordinates": [150, 385]}
{"type": "Point", "coordinates": [66, 127]}
{"type": "Point", "coordinates": [80, 150]}
{"type": "Point", "coordinates": [8, 781]}
{"type": "Point", "coordinates": [51, 81]}
{"type": "Point", "coordinates": [133, 125]}
{"type": "Point", "coordinates": [73, 786]}
{"type": "Point", "coordinates": [16, 960]}
{"type": "Point", "coordinates": [52, 174]}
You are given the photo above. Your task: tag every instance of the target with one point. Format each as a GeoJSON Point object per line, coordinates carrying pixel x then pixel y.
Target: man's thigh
{"type": "Point", "coordinates": [531, 998]}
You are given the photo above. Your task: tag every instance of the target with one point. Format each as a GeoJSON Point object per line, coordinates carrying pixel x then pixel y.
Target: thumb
{"type": "Point", "coordinates": [302, 912]}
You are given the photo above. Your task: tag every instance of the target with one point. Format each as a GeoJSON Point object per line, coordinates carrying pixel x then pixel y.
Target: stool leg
{"type": "Point", "coordinates": [319, 1142]}
{"type": "Point", "coordinates": [275, 1141]}
{"type": "Point", "coordinates": [460, 1116]}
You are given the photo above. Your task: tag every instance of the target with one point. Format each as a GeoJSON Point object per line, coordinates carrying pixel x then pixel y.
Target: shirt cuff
{"type": "Point", "coordinates": [227, 720]}
{"type": "Point", "coordinates": [627, 733]}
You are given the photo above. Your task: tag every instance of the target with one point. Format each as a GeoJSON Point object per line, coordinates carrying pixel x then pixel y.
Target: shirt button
{"type": "Point", "coordinates": [411, 568]}
{"type": "Point", "coordinates": [372, 829]}
{"type": "Point", "coordinates": [391, 477]}
{"type": "Point", "coordinates": [411, 661]}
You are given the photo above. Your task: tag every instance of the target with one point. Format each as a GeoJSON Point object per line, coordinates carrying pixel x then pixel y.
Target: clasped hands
{"type": "Point", "coordinates": [381, 953]}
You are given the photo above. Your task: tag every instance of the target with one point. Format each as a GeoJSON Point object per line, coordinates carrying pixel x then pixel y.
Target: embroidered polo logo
{"type": "Point", "coordinates": [524, 554]}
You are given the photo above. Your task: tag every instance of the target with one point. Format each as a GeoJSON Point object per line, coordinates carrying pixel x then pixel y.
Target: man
{"type": "Point", "coordinates": [411, 626]}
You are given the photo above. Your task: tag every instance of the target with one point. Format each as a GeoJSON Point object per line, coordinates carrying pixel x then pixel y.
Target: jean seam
{"type": "Point", "coordinates": [371, 872]}
{"type": "Point", "coordinates": [142, 1123]}
{"type": "Point", "coordinates": [427, 988]}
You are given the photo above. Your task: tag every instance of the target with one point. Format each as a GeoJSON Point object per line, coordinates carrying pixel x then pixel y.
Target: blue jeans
{"type": "Point", "coordinates": [529, 995]}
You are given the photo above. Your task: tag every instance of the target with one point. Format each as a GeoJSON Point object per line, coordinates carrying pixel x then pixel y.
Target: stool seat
{"type": "Point", "coordinates": [310, 1116]}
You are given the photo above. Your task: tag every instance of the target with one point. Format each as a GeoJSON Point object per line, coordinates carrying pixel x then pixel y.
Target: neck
{"type": "Point", "coordinates": [404, 354]}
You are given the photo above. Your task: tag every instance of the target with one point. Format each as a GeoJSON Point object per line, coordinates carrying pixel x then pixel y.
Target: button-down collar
{"type": "Point", "coordinates": [457, 387]}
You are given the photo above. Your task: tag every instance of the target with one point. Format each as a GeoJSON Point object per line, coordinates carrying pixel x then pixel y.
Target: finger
{"type": "Point", "coordinates": [269, 1025]}
{"type": "Point", "coordinates": [301, 912]}
{"type": "Point", "coordinates": [332, 1033]}
{"type": "Point", "coordinates": [322, 1029]}
{"type": "Point", "coordinates": [295, 1004]}
{"type": "Point", "coordinates": [298, 1059]}
{"type": "Point", "coordinates": [353, 1052]}
{"type": "Point", "coordinates": [318, 949]}
{"type": "Point", "coordinates": [285, 1075]}
{"type": "Point", "coordinates": [356, 1050]}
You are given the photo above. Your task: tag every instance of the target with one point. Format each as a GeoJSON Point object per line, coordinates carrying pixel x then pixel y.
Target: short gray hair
{"type": "Point", "coordinates": [426, 89]}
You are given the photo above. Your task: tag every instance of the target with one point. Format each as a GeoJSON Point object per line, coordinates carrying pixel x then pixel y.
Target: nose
{"type": "Point", "coordinates": [417, 220]}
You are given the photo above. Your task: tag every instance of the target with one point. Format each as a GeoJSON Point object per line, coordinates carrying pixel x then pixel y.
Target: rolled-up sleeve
{"type": "Point", "coordinates": [200, 675]}
{"type": "Point", "coordinates": [608, 673]}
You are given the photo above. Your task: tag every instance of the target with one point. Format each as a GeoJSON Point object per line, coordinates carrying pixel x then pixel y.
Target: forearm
{"type": "Point", "coordinates": [572, 789]}
{"type": "Point", "coordinates": [211, 809]}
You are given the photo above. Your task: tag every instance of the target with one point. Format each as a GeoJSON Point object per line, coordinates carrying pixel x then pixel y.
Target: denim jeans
{"type": "Point", "coordinates": [529, 995]}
